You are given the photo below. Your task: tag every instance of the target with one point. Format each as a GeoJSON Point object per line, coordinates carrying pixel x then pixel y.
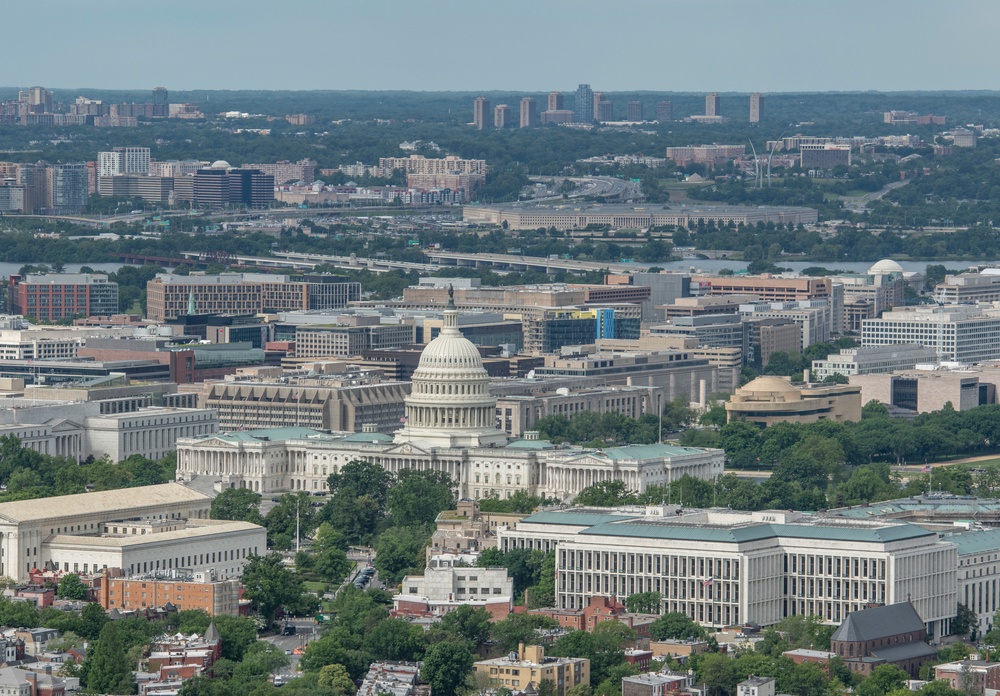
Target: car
{"type": "Point", "coordinates": [288, 630]}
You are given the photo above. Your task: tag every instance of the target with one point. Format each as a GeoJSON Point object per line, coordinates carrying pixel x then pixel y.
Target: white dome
{"type": "Point", "coordinates": [885, 267]}
{"type": "Point", "coordinates": [450, 352]}
{"type": "Point", "coordinates": [221, 164]}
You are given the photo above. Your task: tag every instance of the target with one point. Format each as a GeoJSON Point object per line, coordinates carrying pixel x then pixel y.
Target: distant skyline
{"type": "Point", "coordinates": [513, 45]}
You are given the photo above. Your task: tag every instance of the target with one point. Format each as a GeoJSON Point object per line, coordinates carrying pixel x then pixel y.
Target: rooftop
{"type": "Point", "coordinates": [119, 503]}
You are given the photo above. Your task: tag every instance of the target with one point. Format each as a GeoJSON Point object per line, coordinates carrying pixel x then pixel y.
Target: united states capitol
{"type": "Point", "coordinates": [449, 426]}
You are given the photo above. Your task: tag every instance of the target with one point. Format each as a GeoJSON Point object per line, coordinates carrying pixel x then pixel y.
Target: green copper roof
{"type": "Point", "coordinates": [530, 444]}
{"type": "Point", "coordinates": [970, 543]}
{"type": "Point", "coordinates": [273, 434]}
{"type": "Point", "coordinates": [654, 451]}
{"type": "Point", "coordinates": [367, 437]}
{"type": "Point", "coordinates": [580, 517]}
{"type": "Point", "coordinates": [754, 532]}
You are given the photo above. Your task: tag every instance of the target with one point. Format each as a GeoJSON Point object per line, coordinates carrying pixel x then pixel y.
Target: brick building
{"type": "Point", "coordinates": [197, 592]}
{"type": "Point", "coordinates": [55, 296]}
{"type": "Point", "coordinates": [893, 634]}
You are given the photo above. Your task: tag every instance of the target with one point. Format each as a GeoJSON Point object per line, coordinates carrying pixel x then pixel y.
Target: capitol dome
{"type": "Point", "coordinates": [885, 267]}
{"type": "Point", "coordinates": [449, 404]}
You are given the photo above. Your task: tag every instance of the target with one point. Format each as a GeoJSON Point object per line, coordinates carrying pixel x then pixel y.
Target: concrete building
{"type": "Point", "coordinates": [418, 164]}
{"type": "Point", "coordinates": [336, 403]}
{"type": "Point", "coordinates": [519, 414]}
{"type": "Point", "coordinates": [481, 113]}
{"type": "Point", "coordinates": [756, 101]}
{"type": "Point", "coordinates": [664, 111]}
{"type": "Point", "coordinates": [87, 532]}
{"type": "Point", "coordinates": [712, 330]}
{"type": "Point", "coordinates": [186, 591]}
{"type": "Point", "coordinates": [959, 333]}
{"type": "Point", "coordinates": [815, 318]}
{"type": "Point", "coordinates": [824, 156]}
{"type": "Point", "coordinates": [769, 400]}
{"type": "Point", "coordinates": [665, 288]}
{"type": "Point", "coordinates": [969, 288]}
{"type": "Point", "coordinates": [923, 391]}
{"type": "Point", "coordinates": [655, 684]}
{"type": "Point", "coordinates": [223, 186]}
{"type": "Point", "coordinates": [123, 160]}
{"type": "Point", "coordinates": [584, 104]}
{"type": "Point", "coordinates": [711, 155]}
{"type": "Point", "coordinates": [282, 172]}
{"type": "Point", "coordinates": [724, 568]}
{"type": "Point", "coordinates": [713, 104]}
{"type": "Point", "coordinates": [528, 113]}
{"type": "Point", "coordinates": [634, 111]}
{"type": "Point", "coordinates": [467, 529]}
{"type": "Point", "coordinates": [155, 189]}
{"type": "Point", "coordinates": [445, 587]}
{"type": "Point", "coordinates": [756, 686]}
{"type": "Point", "coordinates": [973, 677]}
{"type": "Point", "coordinates": [530, 666]}
{"type": "Point", "coordinates": [502, 116]}
{"type": "Point", "coordinates": [868, 360]}
{"type": "Point", "coordinates": [170, 296]}
{"type": "Point", "coordinates": [766, 288]}
{"type": "Point", "coordinates": [555, 102]}
{"type": "Point", "coordinates": [770, 336]}
{"type": "Point", "coordinates": [347, 340]}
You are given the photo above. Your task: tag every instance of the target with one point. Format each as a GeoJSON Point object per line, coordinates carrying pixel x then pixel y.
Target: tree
{"type": "Point", "coordinates": [337, 678]}
{"type": "Point", "coordinates": [358, 500]}
{"type": "Point", "coordinates": [293, 513]}
{"type": "Point", "coordinates": [467, 622]}
{"type": "Point", "coordinates": [519, 628]}
{"type": "Point", "coordinates": [400, 550]}
{"type": "Point", "coordinates": [715, 670]}
{"type": "Point", "coordinates": [240, 504]}
{"type": "Point", "coordinates": [71, 587]}
{"type": "Point", "coordinates": [446, 666]}
{"type": "Point", "coordinates": [269, 585]}
{"type": "Point", "coordinates": [419, 496]}
{"type": "Point", "coordinates": [676, 626]}
{"type": "Point", "coordinates": [92, 621]}
{"type": "Point", "coordinates": [332, 565]}
{"type": "Point", "coordinates": [106, 669]}
{"type": "Point", "coordinates": [394, 639]}
{"type": "Point", "coordinates": [965, 621]}
{"type": "Point", "coordinates": [882, 680]}
{"type": "Point", "coordinates": [608, 493]}
{"type": "Point", "coordinates": [644, 602]}
{"type": "Point", "coordinates": [524, 566]}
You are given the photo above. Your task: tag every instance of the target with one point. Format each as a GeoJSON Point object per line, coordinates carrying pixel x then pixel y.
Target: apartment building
{"type": "Point", "coordinates": [418, 164]}
{"type": "Point", "coordinates": [170, 296]}
{"type": "Point", "coordinates": [529, 667]}
{"type": "Point", "coordinates": [445, 586]}
{"type": "Point", "coordinates": [724, 568]}
{"type": "Point", "coordinates": [187, 591]}
{"type": "Point", "coordinates": [54, 296]}
{"type": "Point", "coordinates": [304, 170]}
{"type": "Point", "coordinates": [868, 360]}
{"type": "Point", "coordinates": [123, 160]}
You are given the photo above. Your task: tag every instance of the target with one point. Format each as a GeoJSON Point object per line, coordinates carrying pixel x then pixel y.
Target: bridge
{"type": "Point", "coordinates": [511, 262]}
{"type": "Point", "coordinates": [300, 261]}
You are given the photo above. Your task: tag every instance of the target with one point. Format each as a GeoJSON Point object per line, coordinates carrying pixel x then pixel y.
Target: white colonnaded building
{"type": "Point", "coordinates": [148, 529]}
{"type": "Point", "coordinates": [450, 426]}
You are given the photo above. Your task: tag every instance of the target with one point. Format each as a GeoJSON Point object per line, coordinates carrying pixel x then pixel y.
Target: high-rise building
{"type": "Point", "coordinates": [161, 102]}
{"type": "Point", "coordinates": [221, 186]}
{"type": "Point", "coordinates": [35, 100]}
{"type": "Point", "coordinates": [755, 104]}
{"type": "Point", "coordinates": [529, 114]}
{"type": "Point", "coordinates": [712, 104]}
{"type": "Point", "coordinates": [123, 160]}
{"type": "Point", "coordinates": [502, 116]}
{"type": "Point", "coordinates": [481, 113]}
{"type": "Point", "coordinates": [664, 111]}
{"type": "Point", "coordinates": [598, 98]}
{"type": "Point", "coordinates": [605, 111]}
{"type": "Point", "coordinates": [556, 102]}
{"type": "Point", "coordinates": [584, 104]}
{"type": "Point", "coordinates": [635, 110]}
{"type": "Point", "coordinates": [56, 296]}
{"type": "Point", "coordinates": [68, 188]}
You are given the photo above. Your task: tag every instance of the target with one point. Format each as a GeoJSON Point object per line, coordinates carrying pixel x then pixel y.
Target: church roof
{"type": "Point", "coordinates": [880, 622]}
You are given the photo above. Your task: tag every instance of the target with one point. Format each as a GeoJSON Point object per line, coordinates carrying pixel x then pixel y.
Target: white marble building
{"type": "Point", "coordinates": [450, 426]}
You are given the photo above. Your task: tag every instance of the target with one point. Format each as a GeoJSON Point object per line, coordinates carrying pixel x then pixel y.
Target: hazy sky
{"type": "Point", "coordinates": [518, 45]}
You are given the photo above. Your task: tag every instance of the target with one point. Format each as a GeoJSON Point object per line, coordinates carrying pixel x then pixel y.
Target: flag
{"type": "Point", "coordinates": [707, 583]}
{"type": "Point", "coordinates": [295, 396]}
{"type": "Point", "coordinates": [403, 419]}
{"type": "Point", "coordinates": [927, 469]}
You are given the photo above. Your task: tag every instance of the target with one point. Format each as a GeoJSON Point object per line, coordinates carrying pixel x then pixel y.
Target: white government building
{"type": "Point", "coordinates": [724, 568]}
{"type": "Point", "coordinates": [148, 529]}
{"type": "Point", "coordinates": [450, 426]}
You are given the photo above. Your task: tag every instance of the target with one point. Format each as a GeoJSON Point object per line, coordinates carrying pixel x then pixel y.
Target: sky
{"type": "Point", "coordinates": [500, 45]}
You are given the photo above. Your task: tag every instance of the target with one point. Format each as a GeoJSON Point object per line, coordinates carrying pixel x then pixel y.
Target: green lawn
{"type": "Point", "coordinates": [319, 587]}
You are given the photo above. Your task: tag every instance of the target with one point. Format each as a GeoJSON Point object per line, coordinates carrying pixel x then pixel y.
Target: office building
{"type": "Point", "coordinates": [68, 188]}
{"type": "Point", "coordinates": [518, 414]}
{"type": "Point", "coordinates": [969, 288]}
{"type": "Point", "coordinates": [959, 333]}
{"type": "Point", "coordinates": [467, 529]}
{"type": "Point", "coordinates": [556, 102]}
{"type": "Point", "coordinates": [529, 113]}
{"type": "Point", "coordinates": [705, 154]}
{"type": "Point", "coordinates": [35, 100]}
{"type": "Point", "coordinates": [664, 111]}
{"type": "Point", "coordinates": [634, 112]}
{"type": "Point", "coordinates": [725, 568]}
{"type": "Point", "coordinates": [710, 330]}
{"type": "Point", "coordinates": [348, 340]}
{"type": "Point", "coordinates": [604, 110]}
{"type": "Point", "coordinates": [963, 137]}
{"type": "Point", "coordinates": [140, 530]}
{"type": "Point", "coordinates": [824, 156]}
{"type": "Point", "coordinates": [584, 104]}
{"type": "Point", "coordinates": [664, 288]}
{"type": "Point", "coordinates": [303, 171]}
{"type": "Point", "coordinates": [11, 198]}
{"type": "Point", "coordinates": [769, 400]}
{"type": "Point", "coordinates": [55, 296]}
{"type": "Point", "coordinates": [222, 186]}
{"type": "Point", "coordinates": [502, 116]}
{"type": "Point", "coordinates": [767, 288]}
{"type": "Point", "coordinates": [155, 189]}
{"type": "Point", "coordinates": [520, 216]}
{"type": "Point", "coordinates": [869, 360]}
{"type": "Point", "coordinates": [418, 164]}
{"type": "Point", "coordinates": [814, 317]}
{"type": "Point", "coordinates": [770, 336]}
{"type": "Point", "coordinates": [557, 117]}
{"type": "Point", "coordinates": [755, 106]}
{"type": "Point", "coordinates": [123, 160]}
{"type": "Point", "coordinates": [530, 666]}
{"type": "Point", "coordinates": [712, 105]}
{"type": "Point", "coordinates": [481, 113]}
{"type": "Point", "coordinates": [446, 586]}
{"type": "Point", "coordinates": [171, 296]}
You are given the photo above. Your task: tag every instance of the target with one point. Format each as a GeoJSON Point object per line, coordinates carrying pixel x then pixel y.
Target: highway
{"type": "Point", "coordinates": [510, 262]}
{"type": "Point", "coordinates": [590, 186]}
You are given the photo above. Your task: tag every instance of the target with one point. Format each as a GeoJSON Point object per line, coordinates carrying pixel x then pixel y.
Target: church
{"type": "Point", "coordinates": [450, 426]}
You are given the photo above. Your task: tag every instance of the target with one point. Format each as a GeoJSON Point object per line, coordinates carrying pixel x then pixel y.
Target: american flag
{"type": "Point", "coordinates": [927, 469]}
{"type": "Point", "coordinates": [295, 396]}
{"type": "Point", "coordinates": [403, 419]}
{"type": "Point", "coordinates": [706, 583]}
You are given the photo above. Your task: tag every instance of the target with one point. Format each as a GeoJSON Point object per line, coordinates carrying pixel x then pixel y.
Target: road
{"type": "Point", "coordinates": [858, 204]}
{"type": "Point", "coordinates": [305, 632]}
{"type": "Point", "coordinates": [602, 186]}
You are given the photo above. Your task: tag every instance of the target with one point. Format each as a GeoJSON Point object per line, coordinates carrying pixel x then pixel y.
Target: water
{"type": "Point", "coordinates": [9, 269]}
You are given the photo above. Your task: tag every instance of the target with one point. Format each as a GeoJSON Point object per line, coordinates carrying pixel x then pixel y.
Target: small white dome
{"type": "Point", "coordinates": [221, 164]}
{"type": "Point", "coordinates": [884, 267]}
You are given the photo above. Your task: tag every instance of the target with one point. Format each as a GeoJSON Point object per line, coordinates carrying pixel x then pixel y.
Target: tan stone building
{"type": "Point", "coordinates": [530, 666]}
{"type": "Point", "coordinates": [768, 400]}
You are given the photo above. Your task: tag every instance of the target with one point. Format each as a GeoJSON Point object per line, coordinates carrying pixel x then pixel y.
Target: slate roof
{"type": "Point", "coordinates": [906, 651]}
{"type": "Point", "coordinates": [880, 622]}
